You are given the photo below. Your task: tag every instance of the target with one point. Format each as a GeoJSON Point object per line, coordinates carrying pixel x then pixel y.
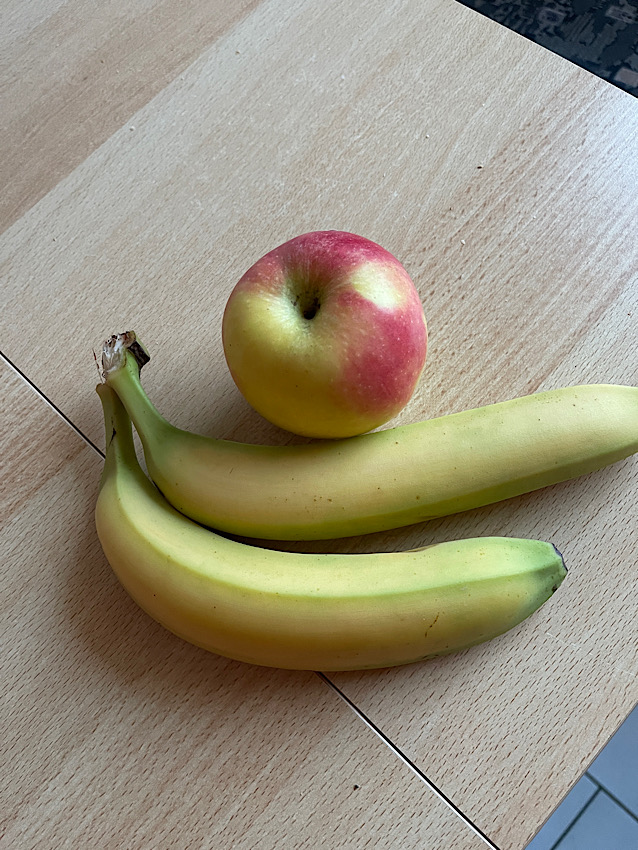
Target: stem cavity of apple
{"type": "Point", "coordinates": [311, 310]}
{"type": "Point", "coordinates": [307, 302]}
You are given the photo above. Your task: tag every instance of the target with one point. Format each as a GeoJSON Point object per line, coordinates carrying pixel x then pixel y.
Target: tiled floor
{"type": "Point", "coordinates": [599, 35]}
{"type": "Point", "coordinates": [601, 810]}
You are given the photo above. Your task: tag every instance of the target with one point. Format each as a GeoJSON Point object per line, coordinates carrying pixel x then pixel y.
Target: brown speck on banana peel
{"type": "Point", "coordinates": [102, 379]}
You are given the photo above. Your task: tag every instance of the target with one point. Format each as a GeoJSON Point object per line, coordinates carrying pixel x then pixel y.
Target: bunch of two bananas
{"type": "Point", "coordinates": [336, 611]}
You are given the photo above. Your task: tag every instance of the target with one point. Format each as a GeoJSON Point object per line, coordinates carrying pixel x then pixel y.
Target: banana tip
{"type": "Point", "coordinates": [563, 565]}
{"type": "Point", "coordinates": [560, 555]}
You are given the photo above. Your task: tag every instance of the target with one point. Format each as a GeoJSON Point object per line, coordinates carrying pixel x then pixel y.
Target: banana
{"type": "Point", "coordinates": [307, 611]}
{"type": "Point", "coordinates": [382, 480]}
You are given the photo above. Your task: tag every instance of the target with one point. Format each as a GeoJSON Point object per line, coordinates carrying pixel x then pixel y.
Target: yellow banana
{"type": "Point", "coordinates": [307, 611]}
{"type": "Point", "coordinates": [385, 479]}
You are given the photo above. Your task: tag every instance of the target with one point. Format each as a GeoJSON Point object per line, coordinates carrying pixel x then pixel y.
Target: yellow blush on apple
{"type": "Point", "coordinates": [325, 335]}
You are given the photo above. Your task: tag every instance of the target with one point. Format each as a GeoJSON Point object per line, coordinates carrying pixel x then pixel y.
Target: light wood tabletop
{"type": "Point", "coordinates": [151, 152]}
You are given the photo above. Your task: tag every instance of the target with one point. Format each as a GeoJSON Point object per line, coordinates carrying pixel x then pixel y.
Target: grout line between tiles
{"type": "Point", "coordinates": [48, 401]}
{"type": "Point", "coordinates": [575, 819]}
{"type": "Point", "coordinates": [612, 796]}
{"type": "Point", "coordinates": [401, 755]}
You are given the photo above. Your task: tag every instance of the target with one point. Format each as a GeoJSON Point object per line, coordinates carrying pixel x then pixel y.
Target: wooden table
{"type": "Point", "coordinates": [151, 152]}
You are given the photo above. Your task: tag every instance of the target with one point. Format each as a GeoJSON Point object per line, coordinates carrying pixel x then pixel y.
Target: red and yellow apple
{"type": "Point", "coordinates": [325, 335]}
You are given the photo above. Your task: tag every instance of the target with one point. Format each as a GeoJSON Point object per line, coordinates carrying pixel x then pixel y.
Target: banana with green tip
{"type": "Point", "coordinates": [307, 611]}
{"type": "Point", "coordinates": [381, 480]}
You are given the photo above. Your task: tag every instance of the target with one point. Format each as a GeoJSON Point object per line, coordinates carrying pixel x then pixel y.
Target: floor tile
{"type": "Point", "coordinates": [603, 825]}
{"type": "Point", "coordinates": [564, 816]}
{"type": "Point", "coordinates": [616, 768]}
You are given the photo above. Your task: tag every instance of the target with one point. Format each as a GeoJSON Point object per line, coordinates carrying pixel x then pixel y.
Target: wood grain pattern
{"type": "Point", "coordinates": [505, 180]}
{"type": "Point", "coordinates": [72, 73]}
{"type": "Point", "coordinates": [117, 734]}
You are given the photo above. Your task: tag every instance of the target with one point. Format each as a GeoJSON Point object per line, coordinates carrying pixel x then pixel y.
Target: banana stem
{"type": "Point", "coordinates": [120, 448]}
{"type": "Point", "coordinates": [122, 359]}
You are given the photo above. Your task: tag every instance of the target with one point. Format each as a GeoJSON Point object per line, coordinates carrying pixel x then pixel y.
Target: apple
{"type": "Point", "coordinates": [325, 335]}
